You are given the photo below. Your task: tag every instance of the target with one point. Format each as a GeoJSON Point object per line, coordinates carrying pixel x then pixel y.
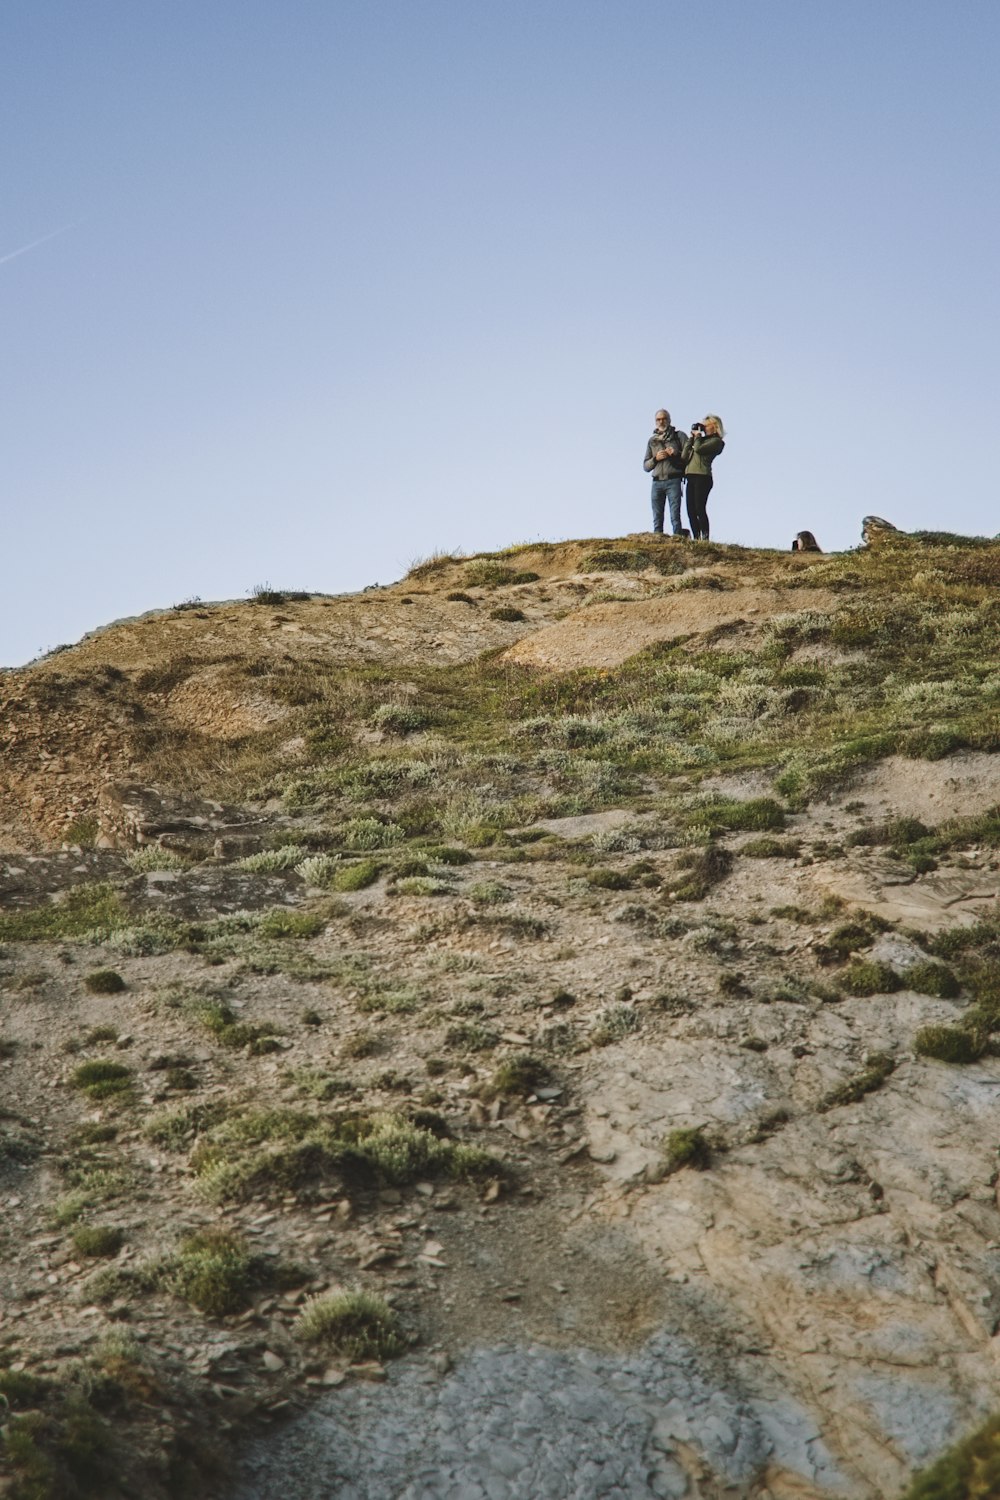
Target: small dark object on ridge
{"type": "Point", "coordinates": [805, 542]}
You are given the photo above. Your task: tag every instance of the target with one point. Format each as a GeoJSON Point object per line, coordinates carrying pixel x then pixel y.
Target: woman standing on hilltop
{"type": "Point", "coordinates": [704, 445]}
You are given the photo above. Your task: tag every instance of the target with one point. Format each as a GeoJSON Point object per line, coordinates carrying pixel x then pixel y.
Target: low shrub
{"type": "Point", "coordinates": [103, 1079]}
{"type": "Point", "coordinates": [507, 612]}
{"type": "Point", "coordinates": [370, 833]}
{"type": "Point", "coordinates": [608, 880]}
{"type": "Point", "coordinates": [484, 572]}
{"type": "Point", "coordinates": [871, 978]}
{"type": "Point", "coordinates": [281, 923]}
{"type": "Point", "coordinates": [844, 940]}
{"type": "Point", "coordinates": [152, 857]}
{"type": "Point", "coordinates": [421, 885]}
{"type": "Point", "coordinates": [271, 861]}
{"type": "Point", "coordinates": [399, 719]}
{"type": "Point", "coordinates": [104, 982]}
{"type": "Point", "coordinates": [613, 1023]}
{"type": "Point", "coordinates": [897, 833]}
{"type": "Point", "coordinates": [489, 893]}
{"type": "Point", "coordinates": [98, 1239]}
{"type": "Point", "coordinates": [82, 832]}
{"type": "Point", "coordinates": [703, 869]}
{"type": "Point", "coordinates": [279, 1151]}
{"type": "Point", "coordinates": [770, 848]}
{"type": "Point", "coordinates": [213, 1270]}
{"type": "Point", "coordinates": [443, 854]}
{"type": "Point", "coordinates": [356, 876]}
{"type": "Point", "coordinates": [469, 1037]}
{"type": "Point", "coordinates": [932, 979]}
{"type": "Point", "coordinates": [223, 1024]}
{"type": "Point", "coordinates": [319, 870]}
{"type": "Point", "coordinates": [85, 910]}
{"type": "Point", "coordinates": [950, 1044]}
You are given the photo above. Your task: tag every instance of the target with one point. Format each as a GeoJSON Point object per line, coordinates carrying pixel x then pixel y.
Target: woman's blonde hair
{"type": "Point", "coordinates": [718, 422]}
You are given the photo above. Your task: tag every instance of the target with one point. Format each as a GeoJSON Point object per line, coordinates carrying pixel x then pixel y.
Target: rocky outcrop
{"type": "Point", "coordinates": [132, 816]}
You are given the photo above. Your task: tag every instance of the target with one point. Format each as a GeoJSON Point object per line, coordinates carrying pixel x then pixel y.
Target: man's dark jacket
{"type": "Point", "coordinates": [667, 468]}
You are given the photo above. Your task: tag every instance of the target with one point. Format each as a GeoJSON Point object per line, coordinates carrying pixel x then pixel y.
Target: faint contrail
{"type": "Point", "coordinates": [31, 245]}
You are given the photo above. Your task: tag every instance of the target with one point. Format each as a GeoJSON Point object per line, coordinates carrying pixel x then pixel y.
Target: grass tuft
{"type": "Point", "coordinates": [950, 1044]}
{"type": "Point", "coordinates": [356, 1324]}
{"type": "Point", "coordinates": [880, 1066]}
{"type": "Point", "coordinates": [687, 1147]}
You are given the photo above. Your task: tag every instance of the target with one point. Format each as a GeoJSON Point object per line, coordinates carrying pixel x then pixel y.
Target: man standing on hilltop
{"type": "Point", "coordinates": [663, 460]}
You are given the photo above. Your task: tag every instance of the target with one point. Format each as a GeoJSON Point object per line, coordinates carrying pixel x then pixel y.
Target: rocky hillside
{"type": "Point", "coordinates": [589, 952]}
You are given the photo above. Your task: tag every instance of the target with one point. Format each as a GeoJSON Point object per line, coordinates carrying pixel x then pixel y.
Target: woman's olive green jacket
{"type": "Point", "coordinates": [700, 451]}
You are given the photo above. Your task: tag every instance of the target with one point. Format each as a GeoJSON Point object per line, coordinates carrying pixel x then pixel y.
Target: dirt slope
{"type": "Point", "coordinates": [77, 720]}
{"type": "Point", "coordinates": [429, 929]}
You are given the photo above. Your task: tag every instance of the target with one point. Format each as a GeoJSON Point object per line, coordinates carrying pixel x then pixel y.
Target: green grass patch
{"type": "Point", "coordinates": [176, 1130]}
{"type": "Point", "coordinates": [356, 876]}
{"type": "Point", "coordinates": [85, 910]}
{"type": "Point", "coordinates": [469, 1036]}
{"type": "Point", "coordinates": [484, 572]}
{"type": "Point", "coordinates": [613, 1023]}
{"type": "Point", "coordinates": [278, 1151]}
{"type": "Point", "coordinates": [82, 831]}
{"type": "Point", "coordinates": [102, 1079]}
{"type": "Point", "coordinates": [758, 815]}
{"type": "Point", "coordinates": [223, 1024]}
{"type": "Point", "coordinates": [489, 893]}
{"type": "Point", "coordinates": [444, 854]}
{"type": "Point", "coordinates": [281, 923]}
{"type": "Point", "coordinates": [399, 719]}
{"type": "Point", "coordinates": [660, 559]}
{"type": "Point", "coordinates": [608, 880]}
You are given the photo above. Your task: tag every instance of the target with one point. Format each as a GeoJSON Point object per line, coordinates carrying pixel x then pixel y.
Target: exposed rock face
{"type": "Point", "coordinates": [855, 1249]}
{"type": "Point", "coordinates": [133, 816]}
{"type": "Point", "coordinates": [603, 635]}
{"type": "Point", "coordinates": [875, 531]}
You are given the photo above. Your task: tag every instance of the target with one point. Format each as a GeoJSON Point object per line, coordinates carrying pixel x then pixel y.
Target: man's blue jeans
{"type": "Point", "coordinates": [667, 492]}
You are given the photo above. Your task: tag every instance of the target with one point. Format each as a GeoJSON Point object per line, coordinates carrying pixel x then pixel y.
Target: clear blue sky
{"type": "Point", "coordinates": [349, 281]}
